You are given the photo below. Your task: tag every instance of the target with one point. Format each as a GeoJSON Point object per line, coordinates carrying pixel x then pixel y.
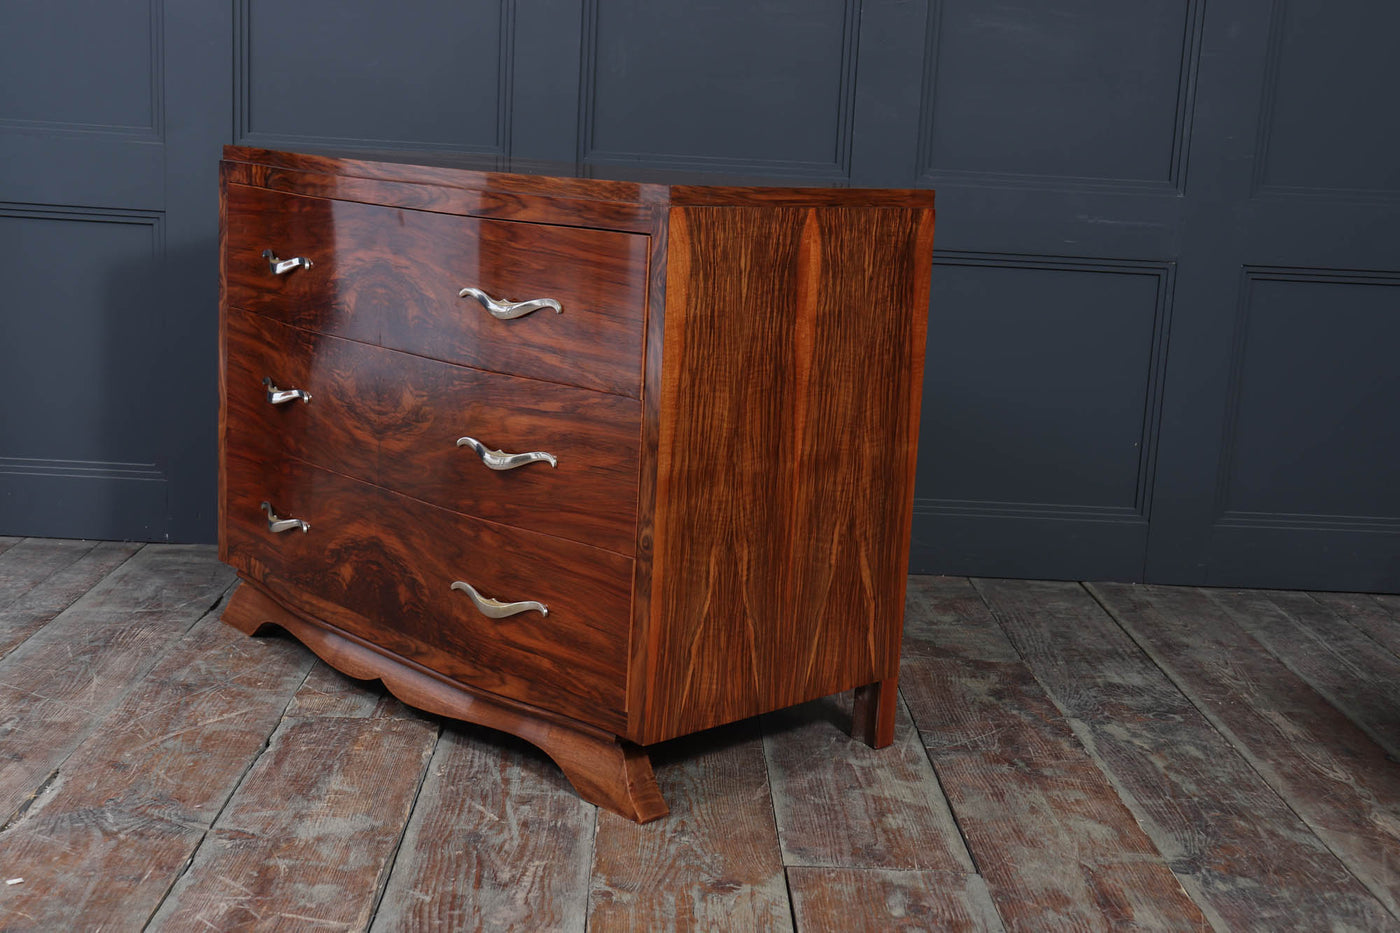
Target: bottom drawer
{"type": "Point", "coordinates": [382, 567]}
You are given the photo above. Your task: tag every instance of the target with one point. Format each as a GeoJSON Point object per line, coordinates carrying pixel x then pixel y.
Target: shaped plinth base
{"type": "Point", "coordinates": [605, 770]}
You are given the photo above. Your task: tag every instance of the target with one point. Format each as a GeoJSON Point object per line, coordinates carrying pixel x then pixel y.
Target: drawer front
{"type": "Point", "coordinates": [393, 276]}
{"type": "Point", "coordinates": [589, 494]}
{"type": "Point", "coordinates": [395, 419]}
{"type": "Point", "coordinates": [391, 562]}
{"type": "Point", "coordinates": [337, 428]}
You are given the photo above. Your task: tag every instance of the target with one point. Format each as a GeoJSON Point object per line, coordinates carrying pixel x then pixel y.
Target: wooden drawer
{"type": "Point", "coordinates": [590, 495]}
{"type": "Point", "coordinates": [394, 419]}
{"type": "Point", "coordinates": [381, 567]}
{"type": "Point", "coordinates": [336, 429]}
{"type": "Point", "coordinates": [391, 276]}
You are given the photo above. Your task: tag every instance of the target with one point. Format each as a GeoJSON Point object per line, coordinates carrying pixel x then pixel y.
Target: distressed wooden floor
{"type": "Point", "coordinates": [1069, 757]}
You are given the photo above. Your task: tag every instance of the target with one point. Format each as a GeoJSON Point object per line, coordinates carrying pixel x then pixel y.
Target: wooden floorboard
{"type": "Point", "coordinates": [27, 605]}
{"type": "Point", "coordinates": [1328, 769]}
{"type": "Point", "coordinates": [498, 840]}
{"type": "Point", "coordinates": [28, 562]}
{"type": "Point", "coordinates": [843, 804]}
{"type": "Point", "coordinates": [1056, 845]}
{"type": "Point", "coordinates": [856, 900]}
{"type": "Point", "coordinates": [1244, 855]}
{"type": "Point", "coordinates": [1065, 757]}
{"type": "Point", "coordinates": [308, 837]}
{"type": "Point", "coordinates": [714, 863]}
{"type": "Point", "coordinates": [122, 816]}
{"type": "Point", "coordinates": [1346, 666]}
{"type": "Point", "coordinates": [1370, 614]}
{"type": "Point", "coordinates": [58, 685]}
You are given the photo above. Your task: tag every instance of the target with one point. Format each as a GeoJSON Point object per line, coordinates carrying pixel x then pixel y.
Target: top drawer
{"type": "Point", "coordinates": [391, 276]}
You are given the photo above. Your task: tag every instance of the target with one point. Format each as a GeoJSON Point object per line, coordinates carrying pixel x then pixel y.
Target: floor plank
{"type": "Point", "coordinates": [839, 802]}
{"type": "Point", "coordinates": [498, 841]}
{"type": "Point", "coordinates": [714, 863]}
{"type": "Point", "coordinates": [1241, 852]}
{"type": "Point", "coordinates": [1328, 770]}
{"type": "Point", "coordinates": [30, 561]}
{"type": "Point", "coordinates": [1058, 848]}
{"type": "Point", "coordinates": [7, 542]}
{"type": "Point", "coordinates": [308, 837]}
{"type": "Point", "coordinates": [1368, 613]}
{"type": "Point", "coordinates": [1339, 661]}
{"type": "Point", "coordinates": [119, 822]}
{"type": "Point", "coordinates": [327, 693]}
{"type": "Point", "coordinates": [39, 604]}
{"type": "Point", "coordinates": [845, 900]}
{"type": "Point", "coordinates": [57, 686]}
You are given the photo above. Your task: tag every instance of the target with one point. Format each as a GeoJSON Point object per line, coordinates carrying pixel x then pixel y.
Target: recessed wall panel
{"type": "Point", "coordinates": [1038, 387]}
{"type": "Point", "coordinates": [1330, 118]}
{"type": "Point", "coordinates": [735, 84]}
{"type": "Point", "coordinates": [1087, 90]}
{"type": "Point", "coordinates": [428, 74]}
{"type": "Point", "coordinates": [1316, 393]}
{"type": "Point", "coordinates": [79, 66]}
{"type": "Point", "coordinates": [81, 329]}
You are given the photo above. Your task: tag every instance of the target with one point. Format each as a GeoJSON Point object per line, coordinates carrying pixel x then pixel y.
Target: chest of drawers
{"type": "Point", "coordinates": [598, 463]}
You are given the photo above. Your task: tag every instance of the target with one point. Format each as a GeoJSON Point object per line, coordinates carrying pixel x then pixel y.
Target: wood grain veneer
{"type": "Point", "coordinates": [732, 393]}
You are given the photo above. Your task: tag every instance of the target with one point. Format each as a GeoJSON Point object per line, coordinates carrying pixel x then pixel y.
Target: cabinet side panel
{"type": "Point", "coordinates": [222, 506]}
{"type": "Point", "coordinates": [789, 419]}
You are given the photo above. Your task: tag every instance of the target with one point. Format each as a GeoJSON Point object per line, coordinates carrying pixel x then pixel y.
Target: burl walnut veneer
{"type": "Point", "coordinates": [716, 410]}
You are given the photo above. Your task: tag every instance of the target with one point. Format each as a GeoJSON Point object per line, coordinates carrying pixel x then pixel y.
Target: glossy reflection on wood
{"type": "Point", "coordinates": [789, 416]}
{"type": "Point", "coordinates": [381, 566]}
{"type": "Point", "coordinates": [390, 276]}
{"type": "Point", "coordinates": [731, 395]}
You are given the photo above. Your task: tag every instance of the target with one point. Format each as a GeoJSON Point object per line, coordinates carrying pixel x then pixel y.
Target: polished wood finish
{"type": "Point", "coordinates": [388, 276]}
{"type": "Point", "coordinates": [785, 469]}
{"type": "Point", "coordinates": [732, 393]}
{"type": "Point", "coordinates": [603, 769]}
{"type": "Point", "coordinates": [394, 420]}
{"type": "Point", "coordinates": [394, 561]}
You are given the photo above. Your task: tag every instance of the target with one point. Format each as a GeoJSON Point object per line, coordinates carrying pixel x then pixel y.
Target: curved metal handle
{"type": "Point", "coordinates": [509, 310]}
{"type": "Point", "coordinates": [494, 608]}
{"type": "Point", "coordinates": [278, 525]}
{"type": "Point", "coordinates": [283, 266]}
{"type": "Point", "coordinates": [500, 460]}
{"type": "Point", "coordinates": [281, 396]}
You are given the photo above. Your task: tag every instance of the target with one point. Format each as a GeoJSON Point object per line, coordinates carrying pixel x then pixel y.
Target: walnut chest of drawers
{"type": "Point", "coordinates": [598, 463]}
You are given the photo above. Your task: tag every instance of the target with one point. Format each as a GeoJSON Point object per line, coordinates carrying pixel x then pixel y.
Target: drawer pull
{"type": "Point", "coordinates": [509, 310]}
{"type": "Point", "coordinates": [500, 460]}
{"type": "Point", "coordinates": [283, 266]}
{"type": "Point", "coordinates": [281, 396]}
{"type": "Point", "coordinates": [278, 525]}
{"type": "Point", "coordinates": [494, 608]}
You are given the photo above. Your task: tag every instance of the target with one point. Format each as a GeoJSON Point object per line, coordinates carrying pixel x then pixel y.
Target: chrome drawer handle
{"type": "Point", "coordinates": [278, 525]}
{"type": "Point", "coordinates": [509, 310]}
{"type": "Point", "coordinates": [494, 608]}
{"type": "Point", "coordinates": [281, 396]}
{"type": "Point", "coordinates": [500, 460]}
{"type": "Point", "coordinates": [283, 266]}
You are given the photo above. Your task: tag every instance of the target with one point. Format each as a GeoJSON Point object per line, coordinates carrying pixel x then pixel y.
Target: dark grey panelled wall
{"type": "Point", "coordinates": [1167, 280]}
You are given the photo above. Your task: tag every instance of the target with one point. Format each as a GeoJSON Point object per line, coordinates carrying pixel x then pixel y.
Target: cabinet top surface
{"type": "Point", "coordinates": [617, 183]}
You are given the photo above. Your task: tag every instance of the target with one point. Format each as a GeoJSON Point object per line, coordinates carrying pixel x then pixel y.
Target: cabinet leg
{"type": "Point", "coordinates": [875, 706]}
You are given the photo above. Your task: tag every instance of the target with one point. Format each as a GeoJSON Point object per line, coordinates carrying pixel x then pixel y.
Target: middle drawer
{"type": "Point", "coordinates": [408, 424]}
